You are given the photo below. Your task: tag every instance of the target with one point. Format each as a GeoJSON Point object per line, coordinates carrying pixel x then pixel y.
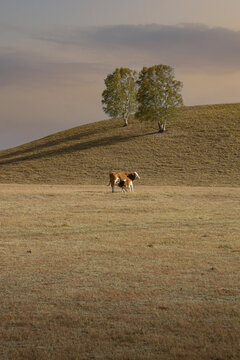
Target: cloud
{"type": "Point", "coordinates": [186, 46]}
{"type": "Point", "coordinates": [17, 68]}
{"type": "Point", "coordinates": [98, 50]}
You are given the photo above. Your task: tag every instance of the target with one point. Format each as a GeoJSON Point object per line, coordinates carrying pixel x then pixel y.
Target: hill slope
{"type": "Point", "coordinates": [200, 147]}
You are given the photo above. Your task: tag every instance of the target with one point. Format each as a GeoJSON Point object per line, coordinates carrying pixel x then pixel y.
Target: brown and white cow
{"type": "Point", "coordinates": [126, 185]}
{"type": "Point", "coordinates": [114, 179]}
{"type": "Point", "coordinates": [123, 180]}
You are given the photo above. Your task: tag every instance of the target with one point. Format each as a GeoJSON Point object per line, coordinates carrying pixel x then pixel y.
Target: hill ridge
{"type": "Point", "coordinates": [200, 147]}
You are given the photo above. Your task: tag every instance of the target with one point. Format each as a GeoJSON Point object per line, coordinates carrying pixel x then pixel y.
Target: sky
{"type": "Point", "coordinates": [55, 55]}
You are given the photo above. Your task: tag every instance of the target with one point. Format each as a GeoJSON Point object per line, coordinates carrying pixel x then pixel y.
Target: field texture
{"type": "Point", "coordinates": [201, 147]}
{"type": "Point", "coordinates": [87, 274]}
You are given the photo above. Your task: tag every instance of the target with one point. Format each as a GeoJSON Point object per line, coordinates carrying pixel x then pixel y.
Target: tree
{"type": "Point", "coordinates": [119, 97]}
{"type": "Point", "coordinates": [158, 94]}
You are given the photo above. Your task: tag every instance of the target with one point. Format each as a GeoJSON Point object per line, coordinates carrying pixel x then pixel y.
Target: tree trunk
{"type": "Point", "coordinates": [165, 123]}
{"type": "Point", "coordinates": [125, 118]}
{"type": "Point", "coordinates": [161, 127]}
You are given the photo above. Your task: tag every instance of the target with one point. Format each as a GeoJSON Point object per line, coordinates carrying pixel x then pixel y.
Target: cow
{"type": "Point", "coordinates": [126, 185]}
{"type": "Point", "coordinates": [114, 179]}
{"type": "Point", "coordinates": [122, 180]}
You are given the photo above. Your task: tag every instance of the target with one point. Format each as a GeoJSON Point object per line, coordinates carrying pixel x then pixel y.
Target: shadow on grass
{"type": "Point", "coordinates": [107, 141]}
{"type": "Point", "coordinates": [55, 142]}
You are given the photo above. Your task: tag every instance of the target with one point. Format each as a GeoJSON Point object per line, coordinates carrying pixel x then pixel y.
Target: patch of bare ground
{"type": "Point", "coordinates": [87, 274]}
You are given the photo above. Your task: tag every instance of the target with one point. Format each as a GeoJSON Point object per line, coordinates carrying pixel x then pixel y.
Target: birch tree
{"type": "Point", "coordinates": [158, 95]}
{"type": "Point", "coordinates": [119, 97]}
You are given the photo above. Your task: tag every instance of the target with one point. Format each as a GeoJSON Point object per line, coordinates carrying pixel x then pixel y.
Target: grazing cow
{"type": "Point", "coordinates": [122, 180]}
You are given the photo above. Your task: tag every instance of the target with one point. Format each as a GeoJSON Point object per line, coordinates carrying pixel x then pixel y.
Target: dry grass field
{"type": "Point", "coordinates": [87, 274]}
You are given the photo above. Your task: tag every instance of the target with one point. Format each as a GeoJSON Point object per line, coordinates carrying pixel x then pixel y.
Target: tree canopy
{"type": "Point", "coordinates": [119, 97]}
{"type": "Point", "coordinates": [158, 94]}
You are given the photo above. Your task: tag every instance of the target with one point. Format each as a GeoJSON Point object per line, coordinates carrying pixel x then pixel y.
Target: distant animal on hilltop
{"type": "Point", "coordinates": [123, 180]}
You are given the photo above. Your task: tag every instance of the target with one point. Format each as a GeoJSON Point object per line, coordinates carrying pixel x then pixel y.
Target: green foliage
{"type": "Point", "coordinates": [158, 94]}
{"type": "Point", "coordinates": [119, 97]}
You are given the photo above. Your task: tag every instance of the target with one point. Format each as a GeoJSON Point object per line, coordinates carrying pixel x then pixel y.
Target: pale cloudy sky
{"type": "Point", "coordinates": [55, 54]}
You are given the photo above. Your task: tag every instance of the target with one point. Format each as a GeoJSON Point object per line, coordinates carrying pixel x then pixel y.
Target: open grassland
{"type": "Point", "coordinates": [87, 274]}
{"type": "Point", "coordinates": [201, 147]}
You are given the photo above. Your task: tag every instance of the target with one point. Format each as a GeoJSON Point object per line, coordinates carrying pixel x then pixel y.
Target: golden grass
{"type": "Point", "coordinates": [87, 274]}
{"type": "Point", "coordinates": [200, 148]}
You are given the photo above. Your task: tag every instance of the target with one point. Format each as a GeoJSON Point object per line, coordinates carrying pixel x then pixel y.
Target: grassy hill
{"type": "Point", "coordinates": [200, 147]}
